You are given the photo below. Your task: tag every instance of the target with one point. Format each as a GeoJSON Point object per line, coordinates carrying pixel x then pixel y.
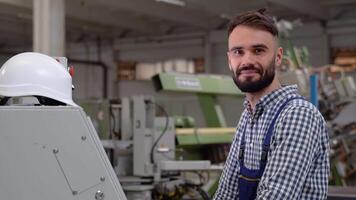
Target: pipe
{"type": "Point", "coordinates": [96, 63]}
{"type": "Point", "coordinates": [314, 90]}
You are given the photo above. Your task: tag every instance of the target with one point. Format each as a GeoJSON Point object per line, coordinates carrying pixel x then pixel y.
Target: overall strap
{"type": "Point", "coordinates": [267, 140]}
{"type": "Point", "coordinates": [242, 145]}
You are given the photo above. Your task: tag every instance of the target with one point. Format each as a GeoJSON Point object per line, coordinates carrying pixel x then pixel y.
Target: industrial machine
{"type": "Point", "coordinates": [161, 155]}
{"type": "Point", "coordinates": [142, 149]}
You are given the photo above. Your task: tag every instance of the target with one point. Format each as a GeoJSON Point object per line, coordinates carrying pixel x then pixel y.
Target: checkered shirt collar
{"type": "Point", "coordinates": [271, 98]}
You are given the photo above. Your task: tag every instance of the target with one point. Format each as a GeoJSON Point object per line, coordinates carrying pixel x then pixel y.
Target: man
{"type": "Point", "coordinates": [280, 150]}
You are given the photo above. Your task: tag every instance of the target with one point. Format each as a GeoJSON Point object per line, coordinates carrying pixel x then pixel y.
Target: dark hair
{"type": "Point", "coordinates": [255, 19]}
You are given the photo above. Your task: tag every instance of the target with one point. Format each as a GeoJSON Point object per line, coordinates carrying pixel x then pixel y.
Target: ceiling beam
{"type": "Point", "coordinates": [76, 12]}
{"type": "Point", "coordinates": [227, 9]}
{"type": "Point", "coordinates": [338, 2]}
{"type": "Point", "coordinates": [162, 11]}
{"type": "Point", "coordinates": [103, 17]}
{"type": "Point", "coordinates": [310, 8]}
{"type": "Point", "coordinates": [18, 3]}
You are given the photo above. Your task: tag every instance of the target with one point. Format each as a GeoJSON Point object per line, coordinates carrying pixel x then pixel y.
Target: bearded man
{"type": "Point", "coordinates": [280, 150]}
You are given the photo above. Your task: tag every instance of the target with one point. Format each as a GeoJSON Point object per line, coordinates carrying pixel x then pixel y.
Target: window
{"type": "Point", "coordinates": [126, 70]}
{"type": "Point", "coordinates": [145, 70]}
{"type": "Point", "coordinates": [345, 58]}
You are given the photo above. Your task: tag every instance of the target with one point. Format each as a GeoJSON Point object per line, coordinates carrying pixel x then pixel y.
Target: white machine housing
{"type": "Point", "coordinates": [53, 152]}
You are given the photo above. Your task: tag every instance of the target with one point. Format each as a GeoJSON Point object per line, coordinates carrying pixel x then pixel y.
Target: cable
{"type": "Point", "coordinates": [163, 131]}
{"type": "Point", "coordinates": [198, 188]}
{"type": "Point", "coordinates": [203, 193]}
{"type": "Point", "coordinates": [200, 176]}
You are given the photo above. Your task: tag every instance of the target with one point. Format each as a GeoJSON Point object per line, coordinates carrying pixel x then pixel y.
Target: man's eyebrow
{"type": "Point", "coordinates": [263, 46]}
{"type": "Point", "coordinates": [235, 48]}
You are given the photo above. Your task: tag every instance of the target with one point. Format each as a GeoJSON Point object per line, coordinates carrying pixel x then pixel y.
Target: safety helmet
{"type": "Point", "coordinates": [35, 74]}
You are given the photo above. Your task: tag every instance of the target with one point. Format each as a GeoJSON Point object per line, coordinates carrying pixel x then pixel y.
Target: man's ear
{"type": "Point", "coordinates": [279, 56]}
{"type": "Point", "coordinates": [228, 61]}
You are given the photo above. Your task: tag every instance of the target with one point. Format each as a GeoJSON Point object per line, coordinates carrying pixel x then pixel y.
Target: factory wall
{"type": "Point", "coordinates": [88, 79]}
{"type": "Point", "coordinates": [342, 32]}
{"type": "Point", "coordinates": [316, 39]}
{"type": "Point", "coordinates": [311, 35]}
{"type": "Point", "coordinates": [153, 51]}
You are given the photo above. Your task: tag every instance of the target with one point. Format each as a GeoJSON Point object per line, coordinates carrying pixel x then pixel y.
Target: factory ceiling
{"type": "Point", "coordinates": [117, 19]}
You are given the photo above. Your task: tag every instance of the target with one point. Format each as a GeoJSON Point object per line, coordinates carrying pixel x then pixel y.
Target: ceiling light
{"type": "Point", "coordinates": [173, 2]}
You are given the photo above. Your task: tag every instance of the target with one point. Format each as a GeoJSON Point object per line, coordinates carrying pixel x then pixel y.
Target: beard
{"type": "Point", "coordinates": [250, 85]}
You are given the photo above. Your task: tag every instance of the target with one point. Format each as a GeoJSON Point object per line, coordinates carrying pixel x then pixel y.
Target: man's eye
{"type": "Point", "coordinates": [237, 52]}
{"type": "Point", "coordinates": [258, 51]}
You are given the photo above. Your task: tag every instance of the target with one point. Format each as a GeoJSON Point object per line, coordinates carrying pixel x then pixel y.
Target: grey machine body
{"type": "Point", "coordinates": [53, 152]}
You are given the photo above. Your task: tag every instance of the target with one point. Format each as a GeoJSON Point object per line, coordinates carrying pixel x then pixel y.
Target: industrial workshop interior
{"type": "Point", "coordinates": [141, 99]}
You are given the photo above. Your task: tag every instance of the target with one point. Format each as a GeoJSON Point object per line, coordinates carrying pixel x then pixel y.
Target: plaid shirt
{"type": "Point", "coordinates": [298, 160]}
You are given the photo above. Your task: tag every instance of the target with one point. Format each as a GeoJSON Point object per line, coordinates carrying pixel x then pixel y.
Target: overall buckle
{"type": "Point", "coordinates": [241, 152]}
{"type": "Point", "coordinates": [265, 149]}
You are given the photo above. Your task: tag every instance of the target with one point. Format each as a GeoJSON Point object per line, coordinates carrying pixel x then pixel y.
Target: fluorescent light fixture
{"type": "Point", "coordinates": [173, 2]}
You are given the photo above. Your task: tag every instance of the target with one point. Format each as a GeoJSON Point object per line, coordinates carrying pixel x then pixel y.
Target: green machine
{"type": "Point", "coordinates": [206, 88]}
{"type": "Point", "coordinates": [216, 137]}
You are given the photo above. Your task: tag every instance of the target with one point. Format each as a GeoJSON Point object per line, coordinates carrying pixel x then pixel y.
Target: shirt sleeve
{"type": "Point", "coordinates": [294, 148]}
{"type": "Point", "coordinates": [228, 183]}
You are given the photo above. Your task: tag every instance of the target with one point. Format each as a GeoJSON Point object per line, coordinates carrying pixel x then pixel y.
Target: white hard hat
{"type": "Point", "coordinates": [35, 74]}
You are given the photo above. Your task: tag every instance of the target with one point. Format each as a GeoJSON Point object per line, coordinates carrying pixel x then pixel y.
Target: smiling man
{"type": "Point", "coordinates": [280, 150]}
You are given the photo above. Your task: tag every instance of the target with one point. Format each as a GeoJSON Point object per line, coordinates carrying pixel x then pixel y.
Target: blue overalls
{"type": "Point", "coordinates": [248, 178]}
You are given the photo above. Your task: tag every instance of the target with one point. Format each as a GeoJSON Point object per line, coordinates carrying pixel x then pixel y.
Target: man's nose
{"type": "Point", "coordinates": [248, 59]}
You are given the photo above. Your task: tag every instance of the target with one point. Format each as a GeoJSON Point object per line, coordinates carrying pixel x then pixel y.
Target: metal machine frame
{"type": "Point", "coordinates": [53, 152]}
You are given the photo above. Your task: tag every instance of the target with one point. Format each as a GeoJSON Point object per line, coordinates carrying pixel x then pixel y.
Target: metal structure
{"type": "Point", "coordinates": [53, 152]}
{"type": "Point", "coordinates": [142, 147]}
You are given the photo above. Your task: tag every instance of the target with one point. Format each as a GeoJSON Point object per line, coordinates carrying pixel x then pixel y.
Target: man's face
{"type": "Point", "coordinates": [253, 55]}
